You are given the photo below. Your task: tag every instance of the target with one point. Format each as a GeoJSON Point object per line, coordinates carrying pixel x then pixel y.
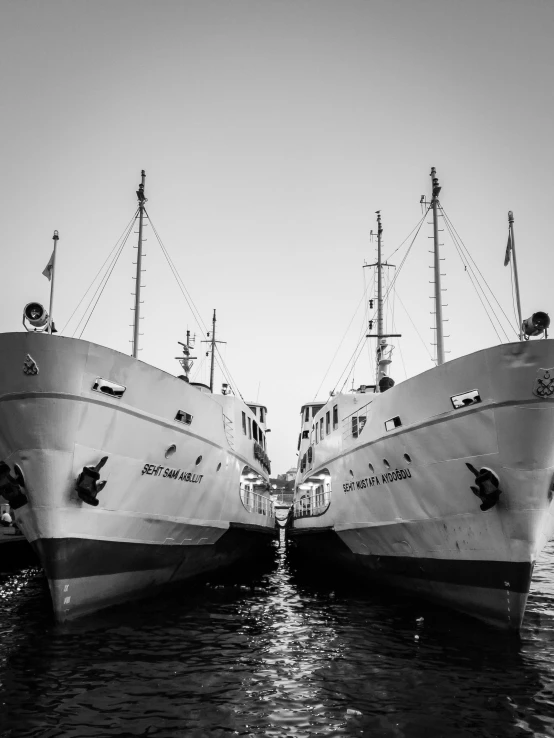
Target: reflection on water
{"type": "Point", "coordinates": [272, 655]}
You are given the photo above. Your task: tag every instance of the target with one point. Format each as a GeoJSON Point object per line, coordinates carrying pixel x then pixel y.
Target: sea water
{"type": "Point", "coordinates": [272, 655]}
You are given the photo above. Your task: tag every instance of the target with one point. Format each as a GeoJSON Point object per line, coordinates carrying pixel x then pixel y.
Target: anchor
{"type": "Point", "coordinates": [488, 486]}
{"type": "Point", "coordinates": [11, 486]}
{"type": "Point", "coordinates": [87, 485]}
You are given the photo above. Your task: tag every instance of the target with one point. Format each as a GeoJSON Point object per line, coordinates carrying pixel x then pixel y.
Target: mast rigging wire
{"type": "Point", "coordinates": [125, 236]}
{"type": "Point", "coordinates": [195, 312]}
{"type": "Point", "coordinates": [452, 230]}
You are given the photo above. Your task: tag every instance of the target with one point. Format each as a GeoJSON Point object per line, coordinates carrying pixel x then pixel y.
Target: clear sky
{"type": "Point", "coordinates": [271, 131]}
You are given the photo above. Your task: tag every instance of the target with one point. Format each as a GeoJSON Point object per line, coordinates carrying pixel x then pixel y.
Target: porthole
{"type": "Point", "coordinates": [408, 458]}
{"type": "Point", "coordinates": [218, 466]}
{"type": "Point", "coordinates": [170, 451]}
{"type": "Point", "coordinates": [351, 473]}
{"type": "Point", "coordinates": [386, 463]}
{"type": "Point", "coordinates": [198, 460]}
{"type": "Point", "coordinates": [371, 469]}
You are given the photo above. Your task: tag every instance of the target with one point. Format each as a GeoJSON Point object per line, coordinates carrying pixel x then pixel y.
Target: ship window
{"type": "Point", "coordinates": [218, 466]}
{"type": "Point", "coordinates": [198, 460]}
{"type": "Point", "coordinates": [305, 434]}
{"type": "Point", "coordinates": [408, 458]}
{"type": "Point", "coordinates": [261, 415]}
{"type": "Point", "coordinates": [386, 463]}
{"type": "Point", "coordinates": [108, 388]}
{"type": "Point", "coordinates": [253, 410]}
{"type": "Point", "coordinates": [466, 398]}
{"type": "Point", "coordinates": [183, 417]}
{"type": "Point", "coordinates": [255, 430]}
{"type": "Point", "coordinates": [393, 423]}
{"type": "Point", "coordinates": [299, 439]}
{"type": "Point", "coordinates": [358, 424]}
{"type": "Point", "coordinates": [249, 428]}
{"type": "Point", "coordinates": [321, 433]}
{"type": "Point", "coordinates": [310, 455]}
{"type": "Point", "coordinates": [170, 450]}
{"type": "Point", "coordinates": [371, 469]}
{"type": "Point", "coordinates": [317, 432]}
{"type": "Point", "coordinates": [335, 417]}
{"type": "Point", "coordinates": [244, 422]}
{"type": "Point", "coordinates": [307, 415]}
{"type": "Point", "coordinates": [327, 422]}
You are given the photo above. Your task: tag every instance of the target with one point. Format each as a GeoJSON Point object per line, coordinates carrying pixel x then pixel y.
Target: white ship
{"type": "Point", "coordinates": [441, 485]}
{"type": "Point", "coordinates": [123, 477]}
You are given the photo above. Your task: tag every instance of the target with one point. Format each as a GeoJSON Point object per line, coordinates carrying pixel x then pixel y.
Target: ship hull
{"type": "Point", "coordinates": [403, 510]}
{"type": "Point", "coordinates": [494, 592]}
{"type": "Point", "coordinates": [168, 505]}
{"type": "Point", "coordinates": [95, 574]}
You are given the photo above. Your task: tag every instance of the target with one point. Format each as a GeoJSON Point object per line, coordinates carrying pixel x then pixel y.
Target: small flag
{"type": "Point", "coordinates": [48, 268]}
{"type": "Point", "coordinates": [508, 250]}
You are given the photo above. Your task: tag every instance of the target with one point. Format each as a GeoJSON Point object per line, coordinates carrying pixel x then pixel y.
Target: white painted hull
{"type": "Point", "coordinates": [420, 527]}
{"type": "Point", "coordinates": [165, 513]}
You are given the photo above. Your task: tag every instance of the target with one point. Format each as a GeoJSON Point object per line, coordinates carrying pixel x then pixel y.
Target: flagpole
{"type": "Point", "coordinates": [55, 238]}
{"type": "Point", "coordinates": [516, 279]}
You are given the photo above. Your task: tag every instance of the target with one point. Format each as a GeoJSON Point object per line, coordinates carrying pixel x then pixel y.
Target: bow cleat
{"type": "Point", "coordinates": [87, 484]}
{"type": "Point", "coordinates": [488, 486]}
{"type": "Point", "coordinates": [11, 486]}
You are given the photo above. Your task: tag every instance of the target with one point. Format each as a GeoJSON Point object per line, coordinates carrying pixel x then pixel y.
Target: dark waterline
{"type": "Point", "coordinates": [272, 655]}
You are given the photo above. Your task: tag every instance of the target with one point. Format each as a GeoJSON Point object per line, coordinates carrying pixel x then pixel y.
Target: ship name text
{"type": "Point", "coordinates": [388, 478]}
{"type": "Point", "coordinates": [168, 473]}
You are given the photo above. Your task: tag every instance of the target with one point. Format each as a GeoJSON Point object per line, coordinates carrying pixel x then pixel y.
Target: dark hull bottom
{"type": "Point", "coordinates": [89, 575]}
{"type": "Point", "coordinates": [492, 591]}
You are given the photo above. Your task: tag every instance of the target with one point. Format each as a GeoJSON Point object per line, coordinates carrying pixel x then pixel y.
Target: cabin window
{"type": "Point", "coordinates": [253, 409]}
{"type": "Point", "coordinates": [305, 434]}
{"type": "Point", "coordinates": [310, 455]}
{"type": "Point", "coordinates": [335, 417]}
{"type": "Point", "coordinates": [249, 428]}
{"type": "Point", "coordinates": [393, 423]}
{"type": "Point", "coordinates": [108, 388]}
{"type": "Point", "coordinates": [327, 422]}
{"type": "Point", "coordinates": [244, 423]}
{"type": "Point", "coordinates": [261, 438]}
{"type": "Point", "coordinates": [183, 417]}
{"type": "Point", "coordinates": [299, 439]}
{"type": "Point", "coordinates": [466, 398]}
{"type": "Point", "coordinates": [261, 415]}
{"type": "Point", "coordinates": [355, 426]}
{"type": "Point", "coordinates": [317, 433]}
{"type": "Point", "coordinates": [255, 430]}
{"type": "Point", "coordinates": [321, 434]}
{"type": "Point", "coordinates": [307, 415]}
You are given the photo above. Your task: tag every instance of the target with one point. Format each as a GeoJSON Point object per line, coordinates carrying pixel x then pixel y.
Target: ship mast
{"type": "Point", "coordinates": [516, 278]}
{"type": "Point", "coordinates": [437, 268]}
{"type": "Point", "coordinates": [213, 354]}
{"type": "Point", "coordinates": [383, 354]}
{"type": "Point", "coordinates": [213, 342]}
{"type": "Point", "coordinates": [142, 202]}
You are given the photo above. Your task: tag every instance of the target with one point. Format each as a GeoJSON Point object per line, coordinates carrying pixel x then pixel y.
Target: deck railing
{"type": "Point", "coordinates": [313, 503]}
{"type": "Point", "coordinates": [257, 503]}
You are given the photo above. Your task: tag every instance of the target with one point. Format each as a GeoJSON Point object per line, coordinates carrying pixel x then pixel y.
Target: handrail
{"type": "Point", "coordinates": [257, 503]}
{"type": "Point", "coordinates": [310, 505]}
